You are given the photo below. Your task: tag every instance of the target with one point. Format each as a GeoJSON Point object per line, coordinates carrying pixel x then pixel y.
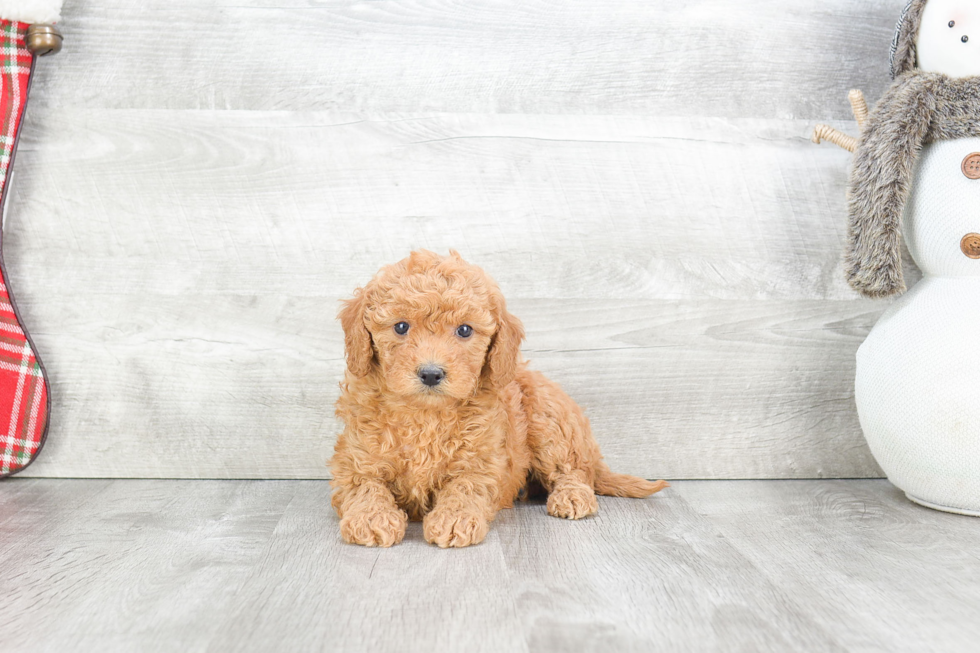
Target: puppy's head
{"type": "Point", "coordinates": [433, 327]}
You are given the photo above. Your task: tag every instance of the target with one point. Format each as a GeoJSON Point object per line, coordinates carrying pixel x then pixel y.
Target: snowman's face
{"type": "Point", "coordinates": [949, 38]}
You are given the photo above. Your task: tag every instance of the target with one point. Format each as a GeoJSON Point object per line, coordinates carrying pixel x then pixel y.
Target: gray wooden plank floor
{"type": "Point", "coordinates": [157, 565]}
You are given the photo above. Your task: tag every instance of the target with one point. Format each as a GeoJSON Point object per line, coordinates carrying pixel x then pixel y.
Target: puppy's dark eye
{"type": "Point", "coordinates": [401, 328]}
{"type": "Point", "coordinates": [965, 39]}
{"type": "Point", "coordinates": [464, 331]}
{"type": "Point", "coordinates": [952, 24]}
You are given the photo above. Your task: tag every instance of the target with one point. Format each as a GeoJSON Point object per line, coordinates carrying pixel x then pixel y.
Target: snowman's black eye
{"type": "Point", "coordinates": [952, 24]}
{"type": "Point", "coordinates": [401, 328]}
{"type": "Point", "coordinates": [965, 39]}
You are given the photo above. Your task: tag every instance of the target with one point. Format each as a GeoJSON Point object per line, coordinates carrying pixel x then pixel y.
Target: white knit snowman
{"type": "Point", "coordinates": [918, 373]}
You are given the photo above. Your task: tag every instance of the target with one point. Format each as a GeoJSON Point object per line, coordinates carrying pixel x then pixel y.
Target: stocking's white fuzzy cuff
{"type": "Point", "coordinates": [31, 11]}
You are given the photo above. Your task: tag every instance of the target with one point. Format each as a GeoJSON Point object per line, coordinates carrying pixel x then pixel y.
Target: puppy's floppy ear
{"type": "Point", "coordinates": [505, 348]}
{"type": "Point", "coordinates": [357, 339]}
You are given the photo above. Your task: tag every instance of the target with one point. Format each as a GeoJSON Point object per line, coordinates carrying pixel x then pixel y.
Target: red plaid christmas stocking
{"type": "Point", "coordinates": [24, 400]}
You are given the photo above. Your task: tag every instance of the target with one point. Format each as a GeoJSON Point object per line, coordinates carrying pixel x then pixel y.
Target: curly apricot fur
{"type": "Point", "coordinates": [454, 454]}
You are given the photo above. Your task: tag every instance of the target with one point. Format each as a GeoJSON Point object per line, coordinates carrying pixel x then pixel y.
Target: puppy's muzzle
{"type": "Point", "coordinates": [431, 375]}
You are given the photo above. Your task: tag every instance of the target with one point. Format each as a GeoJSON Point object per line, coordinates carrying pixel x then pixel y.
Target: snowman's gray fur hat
{"type": "Point", "coordinates": [903, 45]}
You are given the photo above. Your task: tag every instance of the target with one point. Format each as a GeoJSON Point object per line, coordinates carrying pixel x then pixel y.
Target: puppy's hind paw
{"type": "Point", "coordinates": [454, 528]}
{"type": "Point", "coordinates": [572, 502]}
{"type": "Point", "coordinates": [382, 527]}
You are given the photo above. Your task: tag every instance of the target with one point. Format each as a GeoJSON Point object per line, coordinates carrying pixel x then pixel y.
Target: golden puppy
{"type": "Point", "coordinates": [444, 422]}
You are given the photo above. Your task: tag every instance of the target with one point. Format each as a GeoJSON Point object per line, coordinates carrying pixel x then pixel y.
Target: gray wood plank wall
{"type": "Point", "coordinates": [199, 183]}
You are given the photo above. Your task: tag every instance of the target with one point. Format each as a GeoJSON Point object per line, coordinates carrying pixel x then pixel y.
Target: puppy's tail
{"type": "Point", "coordinates": [610, 484]}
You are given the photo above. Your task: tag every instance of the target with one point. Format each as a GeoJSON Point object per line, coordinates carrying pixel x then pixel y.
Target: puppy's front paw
{"type": "Point", "coordinates": [572, 502]}
{"type": "Point", "coordinates": [454, 528]}
{"type": "Point", "coordinates": [376, 527]}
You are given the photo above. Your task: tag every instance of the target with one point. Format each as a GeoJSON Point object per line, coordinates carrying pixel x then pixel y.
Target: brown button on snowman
{"type": "Point", "coordinates": [916, 175]}
{"type": "Point", "coordinates": [971, 166]}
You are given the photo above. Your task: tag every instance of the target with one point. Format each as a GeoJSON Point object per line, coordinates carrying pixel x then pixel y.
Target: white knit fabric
{"type": "Point", "coordinates": [31, 11]}
{"type": "Point", "coordinates": [918, 373]}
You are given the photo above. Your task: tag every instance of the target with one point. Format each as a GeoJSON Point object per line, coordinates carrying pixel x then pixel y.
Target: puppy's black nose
{"type": "Point", "coordinates": [432, 375]}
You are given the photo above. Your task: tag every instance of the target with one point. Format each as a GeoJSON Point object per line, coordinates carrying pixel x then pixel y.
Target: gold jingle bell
{"type": "Point", "coordinates": [43, 39]}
